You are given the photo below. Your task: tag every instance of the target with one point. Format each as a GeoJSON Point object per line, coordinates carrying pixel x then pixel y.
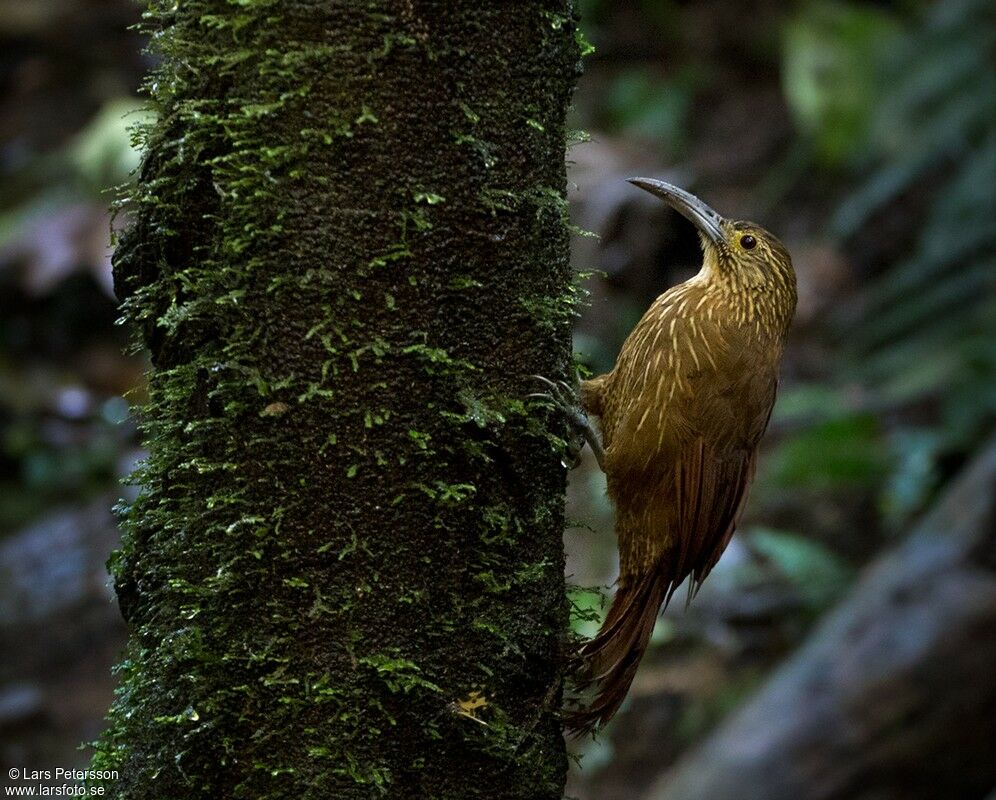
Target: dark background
{"type": "Point", "coordinates": [859, 132]}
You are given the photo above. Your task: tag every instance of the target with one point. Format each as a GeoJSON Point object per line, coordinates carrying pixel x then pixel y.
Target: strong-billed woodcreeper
{"type": "Point", "coordinates": [681, 415]}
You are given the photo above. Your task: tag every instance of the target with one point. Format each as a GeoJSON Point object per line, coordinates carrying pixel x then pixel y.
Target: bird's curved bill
{"type": "Point", "coordinates": [686, 204]}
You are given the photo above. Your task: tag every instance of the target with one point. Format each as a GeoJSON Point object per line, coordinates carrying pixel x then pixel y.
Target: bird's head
{"type": "Point", "coordinates": [736, 252]}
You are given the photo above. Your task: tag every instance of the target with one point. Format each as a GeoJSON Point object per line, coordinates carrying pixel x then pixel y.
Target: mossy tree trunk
{"type": "Point", "coordinates": [343, 575]}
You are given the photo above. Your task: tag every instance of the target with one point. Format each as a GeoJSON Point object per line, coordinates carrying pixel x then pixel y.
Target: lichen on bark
{"type": "Point", "coordinates": [344, 573]}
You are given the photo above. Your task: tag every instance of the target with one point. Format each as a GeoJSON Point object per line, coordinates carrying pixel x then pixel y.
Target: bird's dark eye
{"type": "Point", "coordinates": [748, 242]}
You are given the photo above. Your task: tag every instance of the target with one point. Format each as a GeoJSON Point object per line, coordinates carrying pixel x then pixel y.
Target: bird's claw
{"type": "Point", "coordinates": [564, 398]}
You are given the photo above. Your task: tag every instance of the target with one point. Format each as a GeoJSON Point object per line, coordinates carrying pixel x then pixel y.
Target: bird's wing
{"type": "Point", "coordinates": [710, 494]}
{"type": "Point", "coordinates": [713, 474]}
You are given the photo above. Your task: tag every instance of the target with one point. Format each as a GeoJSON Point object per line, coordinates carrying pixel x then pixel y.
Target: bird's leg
{"type": "Point", "coordinates": [595, 443]}
{"type": "Point", "coordinates": [564, 398]}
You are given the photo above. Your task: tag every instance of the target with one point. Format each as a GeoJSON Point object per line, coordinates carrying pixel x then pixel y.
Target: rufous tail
{"type": "Point", "coordinates": [610, 659]}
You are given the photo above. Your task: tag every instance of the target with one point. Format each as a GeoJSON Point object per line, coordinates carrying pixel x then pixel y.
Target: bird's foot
{"type": "Point", "coordinates": [563, 397]}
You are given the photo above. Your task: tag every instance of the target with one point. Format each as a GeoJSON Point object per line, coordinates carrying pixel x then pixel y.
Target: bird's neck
{"type": "Point", "coordinates": [766, 304]}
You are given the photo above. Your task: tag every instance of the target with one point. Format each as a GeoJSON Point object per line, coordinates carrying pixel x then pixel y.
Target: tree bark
{"type": "Point", "coordinates": [344, 574]}
{"type": "Point", "coordinates": [893, 696]}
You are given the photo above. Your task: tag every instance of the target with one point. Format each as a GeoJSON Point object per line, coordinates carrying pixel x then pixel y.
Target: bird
{"type": "Point", "coordinates": [680, 417]}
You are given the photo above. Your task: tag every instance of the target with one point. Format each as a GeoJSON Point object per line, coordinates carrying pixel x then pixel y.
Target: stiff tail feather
{"type": "Point", "coordinates": [610, 659]}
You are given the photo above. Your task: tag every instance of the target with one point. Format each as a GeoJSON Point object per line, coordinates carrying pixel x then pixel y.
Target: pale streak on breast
{"type": "Point", "coordinates": [657, 336]}
{"type": "Point", "coordinates": [678, 378]}
{"type": "Point", "coordinates": [646, 372]}
{"type": "Point", "coordinates": [660, 425]}
{"type": "Point", "coordinates": [660, 390]}
{"type": "Point", "coordinates": [698, 334]}
{"type": "Point", "coordinates": [707, 348]}
{"type": "Point", "coordinates": [712, 361]}
{"type": "Point", "coordinates": [695, 358]}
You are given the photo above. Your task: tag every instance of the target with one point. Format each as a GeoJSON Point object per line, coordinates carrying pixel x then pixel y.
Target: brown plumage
{"type": "Point", "coordinates": [681, 415]}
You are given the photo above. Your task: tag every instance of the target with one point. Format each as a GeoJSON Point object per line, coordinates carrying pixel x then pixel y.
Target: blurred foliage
{"type": "Point", "coordinates": [699, 717]}
{"type": "Point", "coordinates": [61, 458]}
{"type": "Point", "coordinates": [650, 104]}
{"type": "Point", "coordinates": [904, 108]}
{"type": "Point", "coordinates": [816, 574]}
{"type": "Point", "coordinates": [87, 167]}
{"type": "Point", "coordinates": [62, 436]}
{"type": "Point", "coordinates": [928, 323]}
{"type": "Point", "coordinates": [645, 106]}
{"type": "Point", "coordinates": [105, 154]}
{"type": "Point", "coordinates": [831, 453]}
{"type": "Point", "coordinates": [60, 442]}
{"type": "Point", "coordinates": [832, 64]}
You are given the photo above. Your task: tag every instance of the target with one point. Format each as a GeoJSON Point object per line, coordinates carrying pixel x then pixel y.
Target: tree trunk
{"type": "Point", "coordinates": [344, 574]}
{"type": "Point", "coordinates": [892, 698]}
